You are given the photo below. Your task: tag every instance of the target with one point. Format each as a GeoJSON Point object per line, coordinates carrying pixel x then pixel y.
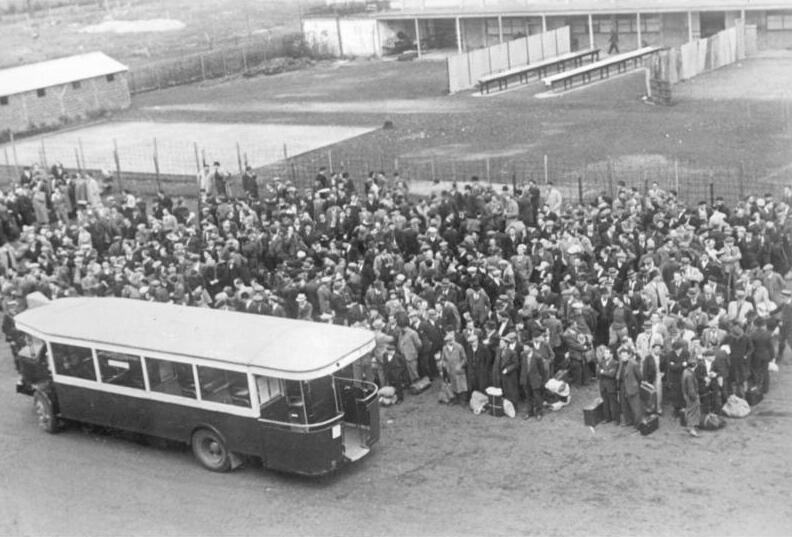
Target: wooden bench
{"type": "Point", "coordinates": [522, 72]}
{"type": "Point", "coordinates": [621, 62]}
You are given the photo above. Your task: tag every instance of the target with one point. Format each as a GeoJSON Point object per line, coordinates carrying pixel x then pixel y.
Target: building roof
{"type": "Point", "coordinates": [489, 8]}
{"type": "Point", "coordinates": [283, 348]}
{"type": "Point", "coordinates": [56, 72]}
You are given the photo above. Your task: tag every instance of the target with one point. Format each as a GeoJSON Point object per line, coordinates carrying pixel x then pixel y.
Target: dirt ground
{"type": "Point", "coordinates": [747, 127]}
{"type": "Point", "coordinates": [437, 471]}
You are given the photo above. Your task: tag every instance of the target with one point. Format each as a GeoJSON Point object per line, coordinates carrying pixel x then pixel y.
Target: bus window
{"type": "Point", "coordinates": [120, 369]}
{"type": "Point", "coordinates": [269, 389]}
{"type": "Point", "coordinates": [223, 386]}
{"type": "Point", "coordinates": [174, 378]}
{"type": "Point", "coordinates": [320, 399]}
{"type": "Point", "coordinates": [73, 361]}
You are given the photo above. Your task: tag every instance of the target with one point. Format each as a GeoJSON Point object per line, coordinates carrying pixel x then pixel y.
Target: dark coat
{"type": "Point", "coordinates": [532, 369]}
{"type": "Point", "coordinates": [505, 373]}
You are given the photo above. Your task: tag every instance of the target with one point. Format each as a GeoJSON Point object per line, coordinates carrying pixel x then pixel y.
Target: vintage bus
{"type": "Point", "coordinates": [228, 384]}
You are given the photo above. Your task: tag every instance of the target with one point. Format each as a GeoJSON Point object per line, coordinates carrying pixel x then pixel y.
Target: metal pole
{"type": "Point", "coordinates": [330, 160]}
{"type": "Point", "coordinates": [500, 29]}
{"type": "Point", "coordinates": [712, 193]}
{"type": "Point", "coordinates": [591, 31]}
{"type": "Point", "coordinates": [638, 20]}
{"type": "Point", "coordinates": [239, 159]}
{"type": "Point", "coordinates": [459, 35]}
{"type": "Point", "coordinates": [418, 37]}
{"type": "Point", "coordinates": [77, 160]}
{"type": "Point", "coordinates": [285, 152]}
{"type": "Point", "coordinates": [580, 190]}
{"type": "Point", "coordinates": [544, 23]}
{"type": "Point", "coordinates": [676, 175]}
{"type": "Point", "coordinates": [489, 177]}
{"type": "Point", "coordinates": [203, 68]}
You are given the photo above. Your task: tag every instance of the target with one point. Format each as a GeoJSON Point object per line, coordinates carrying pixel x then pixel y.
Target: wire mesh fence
{"type": "Point", "coordinates": [219, 63]}
{"type": "Point", "coordinates": [172, 167]}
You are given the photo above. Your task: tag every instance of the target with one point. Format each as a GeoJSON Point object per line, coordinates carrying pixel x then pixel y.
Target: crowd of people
{"type": "Point", "coordinates": [480, 286]}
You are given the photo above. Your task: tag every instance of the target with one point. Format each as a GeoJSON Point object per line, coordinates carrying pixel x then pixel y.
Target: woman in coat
{"type": "Point", "coordinates": [453, 361]}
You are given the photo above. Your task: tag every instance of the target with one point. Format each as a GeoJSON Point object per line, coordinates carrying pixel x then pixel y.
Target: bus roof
{"type": "Point", "coordinates": [285, 348]}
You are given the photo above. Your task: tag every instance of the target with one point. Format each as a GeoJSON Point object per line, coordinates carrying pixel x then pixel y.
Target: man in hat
{"type": "Point", "coordinates": [394, 370]}
{"type": "Point", "coordinates": [763, 353]}
{"type": "Point", "coordinates": [784, 314]}
{"type": "Point", "coordinates": [304, 308]}
{"type": "Point", "coordinates": [672, 365]}
{"type": "Point", "coordinates": [577, 344]}
{"type": "Point", "coordinates": [629, 380]}
{"type": "Point", "coordinates": [409, 345]}
{"type": "Point", "coordinates": [505, 369]}
{"type": "Point", "coordinates": [608, 368]}
{"type": "Point", "coordinates": [453, 362]}
{"type": "Point", "coordinates": [738, 308]}
{"type": "Point", "coordinates": [690, 393]}
{"type": "Point", "coordinates": [532, 378]}
{"type": "Point", "coordinates": [479, 363]}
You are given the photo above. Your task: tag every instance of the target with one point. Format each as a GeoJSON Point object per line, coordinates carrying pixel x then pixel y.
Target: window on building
{"type": "Point", "coordinates": [73, 361]}
{"type": "Point", "coordinates": [41, 92]}
{"type": "Point", "coordinates": [173, 378]}
{"type": "Point", "coordinates": [779, 21]}
{"type": "Point", "coordinates": [110, 77]}
{"type": "Point", "coordinates": [120, 369]}
{"type": "Point", "coordinates": [76, 84]}
{"type": "Point", "coordinates": [223, 386]}
{"type": "Point", "coordinates": [3, 100]}
{"type": "Point", "coordinates": [650, 23]}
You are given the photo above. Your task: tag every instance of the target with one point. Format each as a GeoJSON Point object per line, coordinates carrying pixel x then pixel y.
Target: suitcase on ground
{"type": "Point", "coordinates": [649, 424]}
{"type": "Point", "coordinates": [754, 396]}
{"type": "Point", "coordinates": [496, 405]}
{"type": "Point", "coordinates": [649, 397]}
{"type": "Point", "coordinates": [592, 414]}
{"type": "Point", "coordinates": [420, 385]}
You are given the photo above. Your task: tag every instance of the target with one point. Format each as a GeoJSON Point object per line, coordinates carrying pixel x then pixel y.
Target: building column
{"type": "Point", "coordinates": [690, 26]}
{"type": "Point", "coordinates": [459, 35]}
{"type": "Point", "coordinates": [638, 21]}
{"type": "Point", "coordinates": [500, 29]}
{"type": "Point", "coordinates": [544, 23]}
{"type": "Point", "coordinates": [591, 31]}
{"type": "Point", "coordinates": [742, 15]}
{"type": "Point", "coordinates": [418, 37]}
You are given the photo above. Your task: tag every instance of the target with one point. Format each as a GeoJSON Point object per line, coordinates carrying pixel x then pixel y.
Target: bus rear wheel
{"type": "Point", "coordinates": [211, 451]}
{"type": "Point", "coordinates": [44, 413]}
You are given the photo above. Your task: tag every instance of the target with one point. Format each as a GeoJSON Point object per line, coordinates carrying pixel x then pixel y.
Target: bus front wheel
{"type": "Point", "coordinates": [45, 414]}
{"type": "Point", "coordinates": [211, 451]}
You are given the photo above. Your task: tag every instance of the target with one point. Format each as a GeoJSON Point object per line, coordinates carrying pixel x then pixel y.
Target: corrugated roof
{"type": "Point", "coordinates": [284, 348]}
{"type": "Point", "coordinates": [56, 72]}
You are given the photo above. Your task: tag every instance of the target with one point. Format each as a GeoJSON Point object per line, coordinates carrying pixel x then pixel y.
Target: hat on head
{"type": "Point", "coordinates": [768, 267]}
{"type": "Point", "coordinates": [511, 337]}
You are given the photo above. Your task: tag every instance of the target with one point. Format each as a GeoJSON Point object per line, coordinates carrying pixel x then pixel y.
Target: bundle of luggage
{"type": "Point", "coordinates": [388, 396]}
{"type": "Point", "coordinates": [557, 394]}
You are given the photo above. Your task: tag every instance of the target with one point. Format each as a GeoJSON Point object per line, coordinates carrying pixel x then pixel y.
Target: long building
{"type": "Point", "coordinates": [55, 92]}
{"type": "Point", "coordinates": [462, 25]}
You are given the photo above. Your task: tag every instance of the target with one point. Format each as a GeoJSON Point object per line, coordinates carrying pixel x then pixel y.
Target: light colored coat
{"type": "Point", "coordinates": [453, 359]}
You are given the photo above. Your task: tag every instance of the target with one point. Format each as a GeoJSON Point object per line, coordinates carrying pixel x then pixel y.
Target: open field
{"type": "Point", "coordinates": [745, 134]}
{"type": "Point", "coordinates": [208, 24]}
{"type": "Point", "coordinates": [263, 144]}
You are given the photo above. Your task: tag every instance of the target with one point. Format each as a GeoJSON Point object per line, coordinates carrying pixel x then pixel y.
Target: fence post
{"type": "Point", "coordinates": [546, 171]}
{"type": "Point", "coordinates": [580, 190]}
{"type": "Point", "coordinates": [156, 164]}
{"type": "Point", "coordinates": [82, 153]}
{"type": "Point", "coordinates": [712, 192]}
{"type": "Point", "coordinates": [43, 155]}
{"type": "Point", "coordinates": [610, 177]}
{"type": "Point", "coordinates": [14, 154]}
{"type": "Point", "coordinates": [118, 165]}
{"type": "Point", "coordinates": [741, 179]}
{"type": "Point", "coordinates": [197, 161]}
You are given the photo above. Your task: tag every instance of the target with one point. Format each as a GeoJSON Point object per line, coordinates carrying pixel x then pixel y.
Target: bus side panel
{"type": "Point", "coordinates": [310, 453]}
{"type": "Point", "coordinates": [166, 420]}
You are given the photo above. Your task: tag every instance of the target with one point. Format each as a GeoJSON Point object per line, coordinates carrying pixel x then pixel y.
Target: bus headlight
{"type": "Point", "coordinates": [336, 431]}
